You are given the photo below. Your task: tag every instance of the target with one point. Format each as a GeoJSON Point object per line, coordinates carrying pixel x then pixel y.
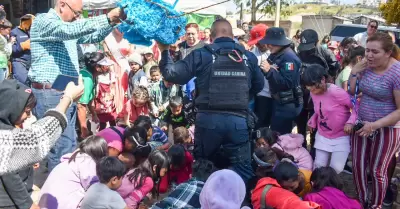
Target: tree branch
{"type": "Point", "coordinates": [260, 4]}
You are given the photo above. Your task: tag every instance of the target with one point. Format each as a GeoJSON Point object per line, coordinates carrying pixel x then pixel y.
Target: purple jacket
{"type": "Point", "coordinates": [332, 198]}
{"type": "Point", "coordinates": [68, 182]}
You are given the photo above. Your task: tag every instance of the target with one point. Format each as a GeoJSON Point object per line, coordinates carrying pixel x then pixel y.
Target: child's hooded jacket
{"type": "Point", "coordinates": [293, 145]}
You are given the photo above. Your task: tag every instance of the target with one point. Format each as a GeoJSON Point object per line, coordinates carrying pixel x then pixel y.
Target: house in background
{"type": "Point", "coordinates": [322, 24]}
{"type": "Point", "coordinates": [364, 19]}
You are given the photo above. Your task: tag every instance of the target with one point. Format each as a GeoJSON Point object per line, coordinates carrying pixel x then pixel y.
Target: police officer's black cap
{"type": "Point", "coordinates": [275, 36]}
{"type": "Point", "coordinates": [308, 40]}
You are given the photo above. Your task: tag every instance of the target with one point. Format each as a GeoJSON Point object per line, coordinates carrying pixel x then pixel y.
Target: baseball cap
{"type": "Point", "coordinates": [333, 45]}
{"type": "Point", "coordinates": [105, 62]}
{"type": "Point", "coordinates": [308, 39]}
{"type": "Point", "coordinates": [257, 33]}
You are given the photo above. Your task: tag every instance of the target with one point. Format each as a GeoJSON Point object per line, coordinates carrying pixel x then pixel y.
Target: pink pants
{"type": "Point", "coordinates": [374, 156]}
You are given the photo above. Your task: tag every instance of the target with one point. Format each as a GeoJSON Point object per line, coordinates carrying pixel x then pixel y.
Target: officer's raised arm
{"type": "Point", "coordinates": [180, 72]}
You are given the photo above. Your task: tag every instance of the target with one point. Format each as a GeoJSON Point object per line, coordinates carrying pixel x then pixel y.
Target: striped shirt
{"type": "Point", "coordinates": [54, 44]}
{"type": "Point", "coordinates": [159, 135]}
{"type": "Point", "coordinates": [378, 100]}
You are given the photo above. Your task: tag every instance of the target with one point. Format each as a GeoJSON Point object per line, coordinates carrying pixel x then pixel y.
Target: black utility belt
{"type": "Point", "coordinates": [294, 95]}
{"type": "Point", "coordinates": [238, 113]}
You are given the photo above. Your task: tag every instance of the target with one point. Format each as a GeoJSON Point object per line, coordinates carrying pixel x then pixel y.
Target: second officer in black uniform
{"type": "Point", "coordinates": [282, 70]}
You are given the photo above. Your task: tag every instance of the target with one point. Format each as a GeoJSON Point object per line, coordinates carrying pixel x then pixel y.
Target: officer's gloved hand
{"type": "Point", "coordinates": [162, 46]}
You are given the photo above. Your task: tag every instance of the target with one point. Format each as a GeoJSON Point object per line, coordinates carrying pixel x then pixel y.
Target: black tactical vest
{"type": "Point", "coordinates": [229, 79]}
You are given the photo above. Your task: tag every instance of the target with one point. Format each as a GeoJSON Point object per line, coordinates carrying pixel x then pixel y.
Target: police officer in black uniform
{"type": "Point", "coordinates": [282, 70]}
{"type": "Point", "coordinates": [226, 76]}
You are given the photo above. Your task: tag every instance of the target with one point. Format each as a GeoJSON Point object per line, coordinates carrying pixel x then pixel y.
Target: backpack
{"type": "Point", "coordinates": [104, 101]}
{"type": "Point", "coordinates": [263, 204]}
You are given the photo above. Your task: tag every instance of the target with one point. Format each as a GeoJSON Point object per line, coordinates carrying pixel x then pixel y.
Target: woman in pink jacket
{"type": "Point", "coordinates": [332, 107]}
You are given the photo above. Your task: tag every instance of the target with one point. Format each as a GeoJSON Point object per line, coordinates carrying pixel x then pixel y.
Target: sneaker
{"type": "Point", "coordinates": [388, 201]}
{"type": "Point", "coordinates": [347, 169]}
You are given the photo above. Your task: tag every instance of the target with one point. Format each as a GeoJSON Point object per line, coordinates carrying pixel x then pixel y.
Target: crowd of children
{"type": "Point", "coordinates": [119, 169]}
{"type": "Point", "coordinates": [145, 150]}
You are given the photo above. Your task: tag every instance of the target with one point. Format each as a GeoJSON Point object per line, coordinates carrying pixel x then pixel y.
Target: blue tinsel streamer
{"type": "Point", "coordinates": [146, 21]}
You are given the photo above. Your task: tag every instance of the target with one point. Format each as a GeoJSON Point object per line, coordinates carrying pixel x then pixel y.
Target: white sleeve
{"type": "Point", "coordinates": [143, 81]}
{"type": "Point", "coordinates": [357, 37]}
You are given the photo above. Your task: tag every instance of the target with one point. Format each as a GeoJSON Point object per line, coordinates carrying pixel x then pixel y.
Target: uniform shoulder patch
{"type": "Point", "coordinates": [289, 66]}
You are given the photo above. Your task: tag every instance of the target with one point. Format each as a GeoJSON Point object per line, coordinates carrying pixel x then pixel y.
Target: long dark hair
{"type": "Point", "coordinates": [94, 146]}
{"type": "Point", "coordinates": [158, 158]}
{"type": "Point", "coordinates": [91, 59]}
{"type": "Point", "coordinates": [138, 136]}
{"type": "Point", "coordinates": [325, 177]}
{"type": "Point", "coordinates": [347, 41]}
{"type": "Point", "coordinates": [271, 137]}
{"type": "Point", "coordinates": [31, 102]}
{"type": "Point", "coordinates": [354, 53]}
{"type": "Point", "coordinates": [177, 156]}
{"type": "Point", "coordinates": [314, 74]}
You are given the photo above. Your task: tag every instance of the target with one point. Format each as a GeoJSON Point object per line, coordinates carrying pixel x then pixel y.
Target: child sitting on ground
{"type": "Point", "coordinates": [182, 136]}
{"type": "Point", "coordinates": [267, 139]}
{"type": "Point", "coordinates": [156, 138]}
{"type": "Point", "coordinates": [264, 159]}
{"type": "Point", "coordinates": [181, 162]}
{"type": "Point", "coordinates": [110, 171]}
{"type": "Point", "coordinates": [128, 159]}
{"type": "Point", "coordinates": [138, 105]}
{"type": "Point", "coordinates": [292, 178]}
{"type": "Point", "coordinates": [293, 145]}
{"type": "Point", "coordinates": [327, 190]}
{"type": "Point", "coordinates": [173, 117]}
{"type": "Point", "coordinates": [286, 146]}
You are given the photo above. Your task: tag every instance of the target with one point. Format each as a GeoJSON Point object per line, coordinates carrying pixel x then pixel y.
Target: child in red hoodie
{"type": "Point", "coordinates": [181, 168]}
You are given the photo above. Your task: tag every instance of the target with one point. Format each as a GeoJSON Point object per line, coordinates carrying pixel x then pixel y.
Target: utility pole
{"type": "Point", "coordinates": [277, 12]}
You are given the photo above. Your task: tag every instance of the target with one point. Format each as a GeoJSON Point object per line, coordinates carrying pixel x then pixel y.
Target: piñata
{"type": "Point", "coordinates": [151, 19]}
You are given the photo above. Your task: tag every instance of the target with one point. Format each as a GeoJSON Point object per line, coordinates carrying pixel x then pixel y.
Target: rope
{"type": "Point", "coordinates": [322, 23]}
{"type": "Point", "coordinates": [185, 13]}
{"type": "Point", "coordinates": [175, 3]}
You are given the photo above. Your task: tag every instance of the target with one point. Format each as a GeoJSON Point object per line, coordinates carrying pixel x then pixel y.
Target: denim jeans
{"type": "Point", "coordinates": [3, 73]}
{"type": "Point", "coordinates": [226, 132]}
{"type": "Point", "coordinates": [20, 73]}
{"type": "Point", "coordinates": [284, 116]}
{"type": "Point", "coordinates": [48, 99]}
